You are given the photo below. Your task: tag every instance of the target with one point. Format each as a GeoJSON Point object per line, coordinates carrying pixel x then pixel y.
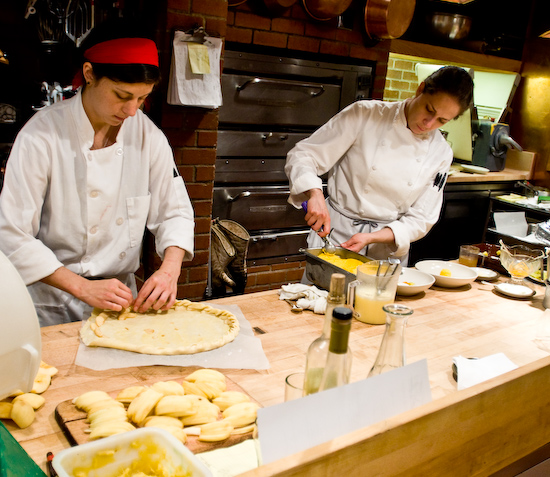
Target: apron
{"type": "Point", "coordinates": [344, 227]}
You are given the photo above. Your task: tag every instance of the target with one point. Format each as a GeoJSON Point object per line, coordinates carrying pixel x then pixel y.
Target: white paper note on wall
{"type": "Point", "coordinates": [297, 425]}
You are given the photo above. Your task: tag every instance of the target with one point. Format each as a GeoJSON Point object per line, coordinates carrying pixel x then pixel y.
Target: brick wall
{"type": "Point", "coordinates": [401, 78]}
{"type": "Point", "coordinates": [192, 132]}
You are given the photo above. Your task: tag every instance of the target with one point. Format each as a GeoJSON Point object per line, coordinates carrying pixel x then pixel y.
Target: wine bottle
{"type": "Point", "coordinates": [338, 365]}
{"type": "Point", "coordinates": [317, 352]}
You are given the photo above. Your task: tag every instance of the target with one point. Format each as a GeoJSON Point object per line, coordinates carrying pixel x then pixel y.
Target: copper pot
{"type": "Point", "coordinates": [278, 7]}
{"type": "Point", "coordinates": [388, 19]}
{"type": "Point", "coordinates": [326, 9]}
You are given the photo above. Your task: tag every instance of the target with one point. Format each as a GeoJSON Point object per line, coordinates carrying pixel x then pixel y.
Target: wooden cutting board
{"type": "Point", "coordinates": [73, 424]}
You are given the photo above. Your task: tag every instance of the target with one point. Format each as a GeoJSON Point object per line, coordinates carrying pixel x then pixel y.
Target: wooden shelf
{"type": "Point", "coordinates": [453, 56]}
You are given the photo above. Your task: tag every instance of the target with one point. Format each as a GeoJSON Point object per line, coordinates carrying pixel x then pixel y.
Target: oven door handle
{"type": "Point", "coordinates": [275, 237]}
{"type": "Point", "coordinates": [247, 193]}
{"type": "Point", "coordinates": [318, 88]}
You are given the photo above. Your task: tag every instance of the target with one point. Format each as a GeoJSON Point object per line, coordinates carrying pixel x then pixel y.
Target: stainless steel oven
{"type": "Point", "coordinates": [269, 104]}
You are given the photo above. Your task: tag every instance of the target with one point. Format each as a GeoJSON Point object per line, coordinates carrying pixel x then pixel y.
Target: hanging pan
{"type": "Point", "coordinates": [278, 7]}
{"type": "Point", "coordinates": [326, 9]}
{"type": "Point", "coordinates": [388, 19]}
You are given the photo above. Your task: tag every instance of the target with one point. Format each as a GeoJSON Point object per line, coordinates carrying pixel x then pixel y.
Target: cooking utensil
{"type": "Point", "coordinates": [323, 10]}
{"type": "Point", "coordinates": [294, 308]}
{"type": "Point", "coordinates": [388, 19]}
{"type": "Point", "coordinates": [79, 20]}
{"type": "Point", "coordinates": [449, 26]}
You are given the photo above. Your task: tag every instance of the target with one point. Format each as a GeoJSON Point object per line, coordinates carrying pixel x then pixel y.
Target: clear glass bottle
{"type": "Point", "coordinates": [338, 365]}
{"type": "Point", "coordinates": [317, 352]}
{"type": "Point", "coordinates": [391, 354]}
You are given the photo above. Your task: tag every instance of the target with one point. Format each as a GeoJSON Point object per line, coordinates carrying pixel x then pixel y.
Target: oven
{"type": "Point", "coordinates": [269, 104]}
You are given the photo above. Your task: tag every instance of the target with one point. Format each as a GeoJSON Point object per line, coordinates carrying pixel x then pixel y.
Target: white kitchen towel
{"type": "Point", "coordinates": [188, 89]}
{"type": "Point", "coordinates": [475, 371]}
{"type": "Point", "coordinates": [308, 297]}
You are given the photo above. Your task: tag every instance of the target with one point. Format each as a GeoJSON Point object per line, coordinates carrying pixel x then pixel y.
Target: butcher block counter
{"type": "Point", "coordinates": [476, 431]}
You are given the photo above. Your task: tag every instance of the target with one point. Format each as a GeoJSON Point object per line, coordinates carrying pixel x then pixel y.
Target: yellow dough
{"type": "Point", "coordinates": [187, 328]}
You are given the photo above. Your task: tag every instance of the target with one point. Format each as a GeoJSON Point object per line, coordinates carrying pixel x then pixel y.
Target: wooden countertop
{"type": "Point", "coordinates": [469, 321]}
{"type": "Point", "coordinates": [499, 176]}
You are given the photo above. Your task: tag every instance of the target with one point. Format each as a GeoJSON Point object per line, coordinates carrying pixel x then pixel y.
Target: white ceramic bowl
{"type": "Point", "coordinates": [413, 281]}
{"type": "Point", "coordinates": [146, 444]}
{"type": "Point", "coordinates": [460, 274]}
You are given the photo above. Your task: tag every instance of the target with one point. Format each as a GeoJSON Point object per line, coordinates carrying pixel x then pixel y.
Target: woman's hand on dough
{"type": "Point", "coordinates": [108, 294]}
{"type": "Point", "coordinates": [158, 292]}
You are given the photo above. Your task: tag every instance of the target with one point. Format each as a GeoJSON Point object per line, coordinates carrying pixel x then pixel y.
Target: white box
{"type": "Point", "coordinates": [144, 445]}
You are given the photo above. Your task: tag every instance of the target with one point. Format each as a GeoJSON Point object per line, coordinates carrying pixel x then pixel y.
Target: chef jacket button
{"type": "Point", "coordinates": [86, 259]}
{"type": "Point", "coordinates": [93, 230]}
{"type": "Point", "coordinates": [409, 183]}
{"type": "Point", "coordinates": [119, 151]}
{"type": "Point", "coordinates": [122, 255]}
{"type": "Point", "coordinates": [361, 211]}
{"type": "Point", "coordinates": [418, 159]}
{"type": "Point", "coordinates": [373, 168]}
{"type": "Point", "coordinates": [383, 143]}
{"type": "Point", "coordinates": [119, 221]}
{"type": "Point", "coordinates": [94, 194]}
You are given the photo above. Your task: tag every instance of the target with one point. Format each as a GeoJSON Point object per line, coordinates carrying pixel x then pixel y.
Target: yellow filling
{"type": "Point", "coordinates": [348, 264]}
{"type": "Point", "coordinates": [445, 272]}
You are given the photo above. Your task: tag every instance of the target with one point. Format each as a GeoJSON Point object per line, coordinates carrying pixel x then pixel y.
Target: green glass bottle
{"type": "Point", "coordinates": [317, 352]}
{"type": "Point", "coordinates": [338, 365]}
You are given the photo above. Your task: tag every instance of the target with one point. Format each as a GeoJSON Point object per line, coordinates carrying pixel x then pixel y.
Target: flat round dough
{"type": "Point", "coordinates": [187, 328]}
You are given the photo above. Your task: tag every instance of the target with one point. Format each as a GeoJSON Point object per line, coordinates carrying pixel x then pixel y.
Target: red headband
{"type": "Point", "coordinates": [124, 51]}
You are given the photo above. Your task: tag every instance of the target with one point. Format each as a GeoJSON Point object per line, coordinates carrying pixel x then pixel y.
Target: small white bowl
{"type": "Point", "coordinates": [412, 281]}
{"type": "Point", "coordinates": [460, 274]}
{"type": "Point", "coordinates": [143, 444]}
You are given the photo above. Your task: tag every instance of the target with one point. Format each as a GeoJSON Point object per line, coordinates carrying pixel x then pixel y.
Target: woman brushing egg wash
{"type": "Point", "coordinates": [85, 177]}
{"type": "Point", "coordinates": [387, 165]}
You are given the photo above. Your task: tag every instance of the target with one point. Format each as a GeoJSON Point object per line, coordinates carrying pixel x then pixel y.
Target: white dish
{"type": "Point", "coordinates": [474, 169]}
{"type": "Point", "coordinates": [147, 444]}
{"type": "Point", "coordinates": [485, 273]}
{"type": "Point", "coordinates": [412, 281]}
{"type": "Point", "coordinates": [515, 291]}
{"type": "Point", "coordinates": [460, 274]}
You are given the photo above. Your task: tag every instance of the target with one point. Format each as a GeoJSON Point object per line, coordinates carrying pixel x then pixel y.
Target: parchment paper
{"type": "Point", "coordinates": [244, 352]}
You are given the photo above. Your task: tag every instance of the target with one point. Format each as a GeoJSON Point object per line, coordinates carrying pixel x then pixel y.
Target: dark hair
{"type": "Point", "coordinates": [133, 73]}
{"type": "Point", "coordinates": [455, 82]}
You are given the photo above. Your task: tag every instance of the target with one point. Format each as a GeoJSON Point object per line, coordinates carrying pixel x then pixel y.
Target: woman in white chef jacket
{"type": "Point", "coordinates": [386, 165]}
{"type": "Point", "coordinates": [86, 176]}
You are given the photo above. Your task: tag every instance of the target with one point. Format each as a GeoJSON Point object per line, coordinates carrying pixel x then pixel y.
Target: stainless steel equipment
{"type": "Point", "coordinates": [491, 143]}
{"type": "Point", "coordinates": [269, 104]}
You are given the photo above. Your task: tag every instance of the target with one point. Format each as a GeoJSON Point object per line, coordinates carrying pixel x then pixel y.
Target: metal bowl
{"type": "Point", "coordinates": [449, 26]}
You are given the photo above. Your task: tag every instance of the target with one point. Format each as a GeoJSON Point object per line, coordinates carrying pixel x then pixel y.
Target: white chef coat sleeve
{"type": "Point", "coordinates": [317, 154]}
{"type": "Point", "coordinates": [425, 211]}
{"type": "Point", "coordinates": [171, 217]}
{"type": "Point", "coordinates": [25, 185]}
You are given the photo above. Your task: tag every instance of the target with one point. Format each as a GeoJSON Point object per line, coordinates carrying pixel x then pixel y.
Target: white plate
{"type": "Point", "coordinates": [460, 274]}
{"type": "Point", "coordinates": [412, 281]}
{"type": "Point", "coordinates": [474, 169]}
{"type": "Point", "coordinates": [485, 273]}
{"type": "Point", "coordinates": [515, 291]}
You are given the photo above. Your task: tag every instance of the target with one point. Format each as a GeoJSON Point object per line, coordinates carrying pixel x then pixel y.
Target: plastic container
{"type": "Point", "coordinates": [20, 340]}
{"type": "Point", "coordinates": [110, 456]}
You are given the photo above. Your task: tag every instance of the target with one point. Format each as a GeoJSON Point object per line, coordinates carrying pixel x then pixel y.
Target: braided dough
{"type": "Point", "coordinates": [187, 328]}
